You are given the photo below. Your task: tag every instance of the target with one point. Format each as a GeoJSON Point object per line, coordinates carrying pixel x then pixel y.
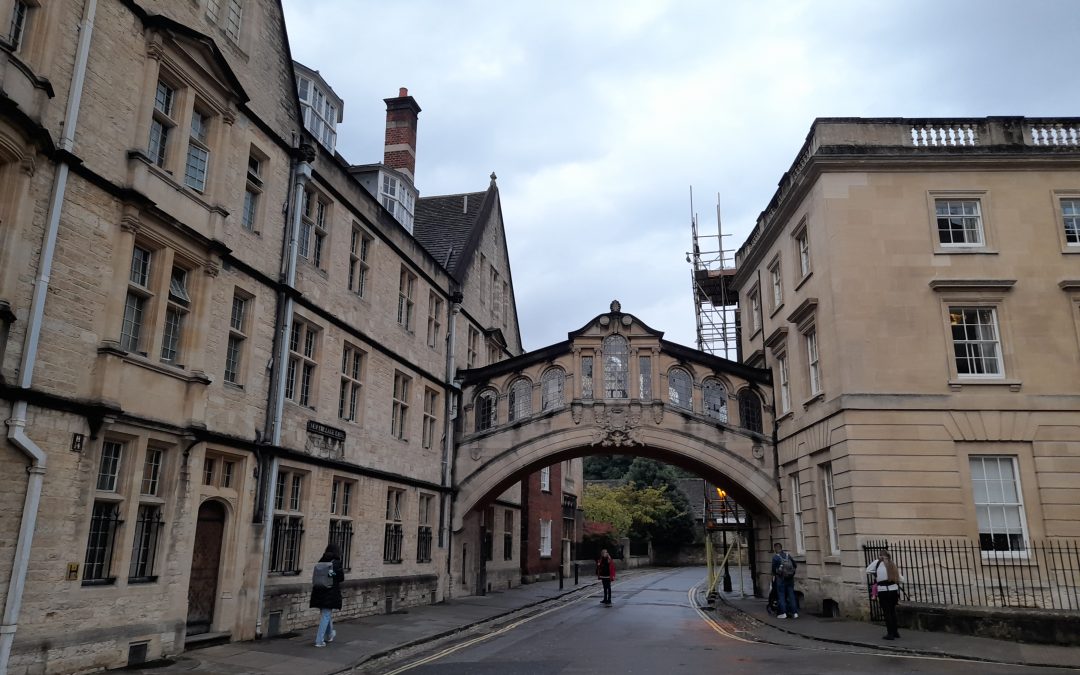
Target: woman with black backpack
{"type": "Point", "coordinates": [326, 592]}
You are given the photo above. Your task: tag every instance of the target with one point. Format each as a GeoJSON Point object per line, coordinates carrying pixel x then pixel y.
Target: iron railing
{"type": "Point", "coordinates": [1044, 575]}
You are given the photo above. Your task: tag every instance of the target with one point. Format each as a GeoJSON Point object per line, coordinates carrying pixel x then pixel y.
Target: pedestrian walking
{"type": "Point", "coordinates": [887, 580]}
{"type": "Point", "coordinates": [605, 571]}
{"type": "Point", "coordinates": [326, 592]}
{"type": "Point", "coordinates": [783, 570]}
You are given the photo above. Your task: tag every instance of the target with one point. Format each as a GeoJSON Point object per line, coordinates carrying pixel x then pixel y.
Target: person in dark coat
{"type": "Point", "coordinates": [328, 599]}
{"type": "Point", "coordinates": [605, 571]}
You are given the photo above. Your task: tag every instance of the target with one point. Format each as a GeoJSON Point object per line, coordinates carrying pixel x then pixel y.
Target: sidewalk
{"type": "Point", "coordinates": [361, 640]}
{"type": "Point", "coordinates": [866, 634]}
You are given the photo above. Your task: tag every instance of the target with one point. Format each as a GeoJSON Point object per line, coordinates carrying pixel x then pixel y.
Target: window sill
{"type": "Point", "coordinates": [789, 414]}
{"type": "Point", "coordinates": [285, 574]}
{"type": "Point", "coordinates": [108, 581]}
{"type": "Point", "coordinates": [804, 280]}
{"type": "Point", "coordinates": [820, 396]}
{"type": "Point", "coordinates": [776, 310]}
{"type": "Point", "coordinates": [957, 384]}
{"type": "Point", "coordinates": [391, 562]}
{"type": "Point", "coordinates": [113, 348]}
{"type": "Point", "coordinates": [831, 560]}
{"type": "Point", "coordinates": [141, 580]}
{"type": "Point", "coordinates": [965, 250]}
{"type": "Point", "coordinates": [233, 385]}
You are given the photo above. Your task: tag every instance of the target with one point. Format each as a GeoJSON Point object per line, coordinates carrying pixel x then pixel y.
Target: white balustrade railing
{"type": "Point", "coordinates": [944, 134]}
{"type": "Point", "coordinates": [1055, 134]}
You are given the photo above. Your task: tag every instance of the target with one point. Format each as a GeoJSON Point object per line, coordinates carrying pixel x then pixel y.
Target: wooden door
{"type": "Point", "coordinates": [205, 561]}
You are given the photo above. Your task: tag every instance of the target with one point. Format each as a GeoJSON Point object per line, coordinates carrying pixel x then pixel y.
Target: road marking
{"type": "Point", "coordinates": [586, 594]}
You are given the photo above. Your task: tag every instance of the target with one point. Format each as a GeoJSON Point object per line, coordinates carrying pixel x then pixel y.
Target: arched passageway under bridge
{"type": "Point", "coordinates": [614, 386]}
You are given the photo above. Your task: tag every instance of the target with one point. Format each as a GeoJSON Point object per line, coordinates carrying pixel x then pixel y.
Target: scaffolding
{"type": "Point", "coordinates": [715, 303]}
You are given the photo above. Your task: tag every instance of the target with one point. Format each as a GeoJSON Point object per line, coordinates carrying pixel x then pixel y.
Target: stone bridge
{"type": "Point", "coordinates": [616, 387]}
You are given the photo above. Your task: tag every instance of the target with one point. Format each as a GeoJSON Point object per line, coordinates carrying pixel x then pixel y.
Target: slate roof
{"type": "Point", "coordinates": [443, 225]}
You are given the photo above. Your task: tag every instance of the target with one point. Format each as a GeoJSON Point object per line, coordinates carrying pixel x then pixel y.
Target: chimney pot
{"type": "Point", "coordinates": [403, 92]}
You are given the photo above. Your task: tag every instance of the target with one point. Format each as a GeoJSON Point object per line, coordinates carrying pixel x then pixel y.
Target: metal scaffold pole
{"type": "Point", "coordinates": [715, 304]}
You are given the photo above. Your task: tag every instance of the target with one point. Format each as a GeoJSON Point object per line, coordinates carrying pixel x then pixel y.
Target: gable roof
{"type": "Point", "coordinates": [444, 226]}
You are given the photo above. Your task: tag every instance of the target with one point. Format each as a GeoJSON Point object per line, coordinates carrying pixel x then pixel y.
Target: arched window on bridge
{"type": "Point", "coordinates": [616, 367]}
{"type": "Point", "coordinates": [551, 389]}
{"type": "Point", "coordinates": [520, 400]}
{"type": "Point", "coordinates": [749, 410]}
{"type": "Point", "coordinates": [681, 389]}
{"type": "Point", "coordinates": [486, 410]}
{"type": "Point", "coordinates": [715, 396]}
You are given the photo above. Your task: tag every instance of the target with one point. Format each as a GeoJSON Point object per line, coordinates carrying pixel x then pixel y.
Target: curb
{"type": "Point", "coordinates": [894, 649]}
{"type": "Point", "coordinates": [453, 631]}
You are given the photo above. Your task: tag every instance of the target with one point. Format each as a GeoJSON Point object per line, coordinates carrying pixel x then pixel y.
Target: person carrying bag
{"type": "Point", "coordinates": [326, 581]}
{"type": "Point", "coordinates": [886, 589]}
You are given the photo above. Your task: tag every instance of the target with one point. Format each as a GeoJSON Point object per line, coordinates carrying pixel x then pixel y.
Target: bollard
{"type": "Point", "coordinates": [560, 577]}
{"type": "Point", "coordinates": [575, 573]}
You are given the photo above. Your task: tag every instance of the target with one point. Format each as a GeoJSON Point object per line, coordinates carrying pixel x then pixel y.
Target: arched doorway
{"type": "Point", "coordinates": [205, 563]}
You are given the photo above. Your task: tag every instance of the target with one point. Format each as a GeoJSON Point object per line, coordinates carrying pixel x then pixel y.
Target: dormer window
{"type": "Point", "coordinates": [398, 199]}
{"type": "Point", "coordinates": [321, 111]}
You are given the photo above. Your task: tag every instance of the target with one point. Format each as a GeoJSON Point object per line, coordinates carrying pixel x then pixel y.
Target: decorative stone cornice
{"type": "Point", "coordinates": [804, 311]}
{"type": "Point", "coordinates": [972, 284]}
{"type": "Point", "coordinates": [1069, 284]}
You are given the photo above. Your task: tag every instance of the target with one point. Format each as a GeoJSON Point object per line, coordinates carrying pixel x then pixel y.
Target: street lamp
{"type": "Point", "coordinates": [723, 531]}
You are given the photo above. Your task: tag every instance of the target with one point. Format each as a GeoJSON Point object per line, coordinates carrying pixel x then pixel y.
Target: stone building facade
{"type": "Point", "coordinates": [914, 286]}
{"type": "Point", "coordinates": [219, 351]}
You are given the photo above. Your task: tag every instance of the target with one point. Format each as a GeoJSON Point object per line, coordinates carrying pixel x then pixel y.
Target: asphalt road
{"type": "Point", "coordinates": [652, 629]}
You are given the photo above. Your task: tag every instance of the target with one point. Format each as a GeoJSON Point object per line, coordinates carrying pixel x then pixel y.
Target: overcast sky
{"type": "Point", "coordinates": [598, 117]}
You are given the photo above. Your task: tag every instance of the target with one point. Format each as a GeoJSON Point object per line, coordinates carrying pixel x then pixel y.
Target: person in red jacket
{"type": "Point", "coordinates": [605, 571]}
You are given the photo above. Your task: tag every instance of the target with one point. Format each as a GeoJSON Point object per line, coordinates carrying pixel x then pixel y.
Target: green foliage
{"type": "Point", "coordinates": [606, 467]}
{"type": "Point", "coordinates": [630, 510]}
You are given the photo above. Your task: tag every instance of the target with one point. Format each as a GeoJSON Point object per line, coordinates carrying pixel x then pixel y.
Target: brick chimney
{"type": "Point", "coordinates": [400, 150]}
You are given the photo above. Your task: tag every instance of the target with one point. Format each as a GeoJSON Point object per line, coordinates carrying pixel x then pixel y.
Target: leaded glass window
{"type": "Point", "coordinates": [616, 367]}
{"type": "Point", "coordinates": [680, 389]}
{"type": "Point", "coordinates": [715, 397]}
{"type": "Point", "coordinates": [551, 385]}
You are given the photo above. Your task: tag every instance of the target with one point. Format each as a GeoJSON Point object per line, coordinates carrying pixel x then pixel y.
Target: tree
{"type": "Point", "coordinates": [606, 467]}
{"type": "Point", "coordinates": [630, 510]}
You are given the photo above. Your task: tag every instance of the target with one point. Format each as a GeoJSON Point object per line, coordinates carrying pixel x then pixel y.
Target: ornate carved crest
{"type": "Point", "coordinates": [575, 412]}
{"type": "Point", "coordinates": [617, 427]}
{"type": "Point", "coordinates": [658, 411]}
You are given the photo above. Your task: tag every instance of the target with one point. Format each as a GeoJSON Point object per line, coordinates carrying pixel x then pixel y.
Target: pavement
{"type": "Point", "coordinates": [362, 640]}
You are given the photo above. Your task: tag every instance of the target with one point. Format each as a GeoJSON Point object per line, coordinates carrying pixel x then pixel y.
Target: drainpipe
{"type": "Point", "coordinates": [303, 175]}
{"type": "Point", "coordinates": [17, 424]}
{"type": "Point", "coordinates": [448, 427]}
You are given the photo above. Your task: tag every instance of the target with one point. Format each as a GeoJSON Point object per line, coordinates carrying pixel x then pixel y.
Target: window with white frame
{"type": "Point", "coordinates": [999, 507]}
{"type": "Point", "coordinates": [320, 110]}
{"type": "Point", "coordinates": [303, 360]}
{"type": "Point", "coordinates": [777, 281]}
{"type": "Point", "coordinates": [359, 265]}
{"type": "Point", "coordinates": [802, 249]}
{"type": "Point", "coordinates": [545, 479]}
{"type": "Point", "coordinates": [796, 513]}
{"type": "Point", "coordinates": [393, 533]}
{"type": "Point", "coordinates": [486, 410]}
{"type": "Point", "coordinates": [399, 199]}
{"type": "Point", "coordinates": [545, 538]}
{"type": "Point", "coordinates": [314, 224]}
{"type": "Point", "coordinates": [139, 295]}
{"type": "Point", "coordinates": [830, 508]}
{"type": "Point", "coordinates": [755, 311]}
{"type": "Point", "coordinates": [20, 10]}
{"type": "Point", "coordinates": [341, 518]}
{"type": "Point", "coordinates": [812, 362]}
{"type": "Point", "coordinates": [959, 222]}
{"type": "Point", "coordinates": [976, 342]}
{"type": "Point", "coordinates": [784, 382]}
{"type": "Point", "coordinates": [198, 154]}
{"type": "Point", "coordinates": [434, 322]}
{"type": "Point", "coordinates": [406, 290]}
{"type": "Point", "coordinates": [219, 471]}
{"type": "Point", "coordinates": [714, 396]}
{"type": "Point", "coordinates": [551, 389]}
{"type": "Point", "coordinates": [252, 192]}
{"type": "Point", "coordinates": [238, 333]}
{"type": "Point", "coordinates": [162, 123]}
{"type": "Point", "coordinates": [1070, 213]}
{"type": "Point", "coordinates": [288, 527]}
{"type": "Point", "coordinates": [473, 348]}
{"type": "Point", "coordinates": [681, 389]}
{"type": "Point", "coordinates": [519, 405]}
{"type": "Point", "coordinates": [431, 411]}
{"type": "Point", "coordinates": [352, 382]}
{"type": "Point", "coordinates": [105, 517]}
{"type": "Point", "coordinates": [399, 419]}
{"type": "Point", "coordinates": [424, 528]}
{"type": "Point", "coordinates": [616, 367]}
{"type": "Point", "coordinates": [176, 310]}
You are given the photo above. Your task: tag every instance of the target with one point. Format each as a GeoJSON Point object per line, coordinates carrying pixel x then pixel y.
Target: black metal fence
{"type": "Point", "coordinates": [1044, 575]}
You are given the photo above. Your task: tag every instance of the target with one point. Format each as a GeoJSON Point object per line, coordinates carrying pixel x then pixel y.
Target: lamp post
{"type": "Point", "coordinates": [725, 510]}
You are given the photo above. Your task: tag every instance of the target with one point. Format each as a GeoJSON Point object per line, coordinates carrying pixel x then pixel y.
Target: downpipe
{"type": "Point", "coordinates": [451, 412]}
{"type": "Point", "coordinates": [303, 175]}
{"type": "Point", "coordinates": [16, 433]}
